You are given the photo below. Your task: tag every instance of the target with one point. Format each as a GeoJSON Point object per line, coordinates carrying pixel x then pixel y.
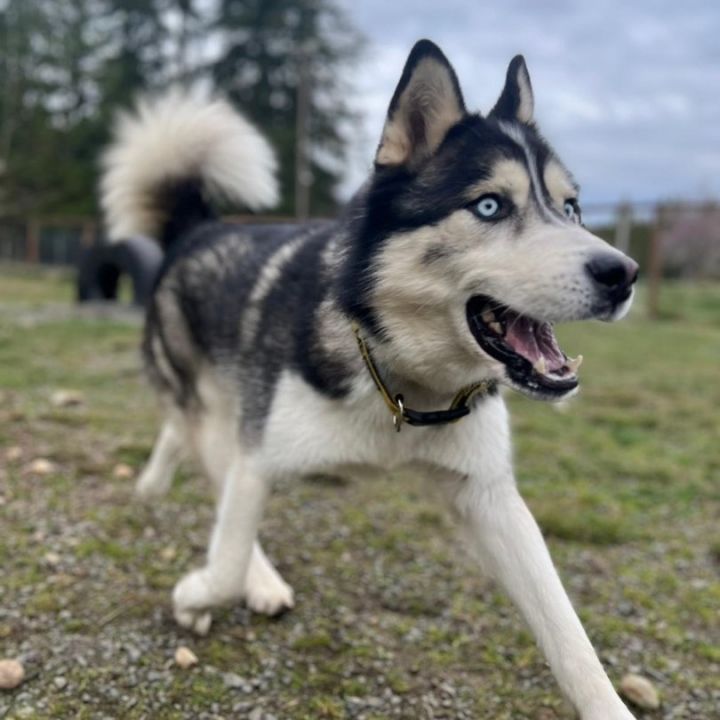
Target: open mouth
{"type": "Point", "coordinates": [528, 348]}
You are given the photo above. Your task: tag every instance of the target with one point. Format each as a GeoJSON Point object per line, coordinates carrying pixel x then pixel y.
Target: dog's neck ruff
{"type": "Point", "coordinates": [459, 407]}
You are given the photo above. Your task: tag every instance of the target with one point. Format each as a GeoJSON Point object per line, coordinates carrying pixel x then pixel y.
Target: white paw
{"type": "Point", "coordinates": [152, 485]}
{"type": "Point", "coordinates": [197, 621]}
{"type": "Point", "coordinates": [193, 597]}
{"type": "Point", "coordinates": [269, 596]}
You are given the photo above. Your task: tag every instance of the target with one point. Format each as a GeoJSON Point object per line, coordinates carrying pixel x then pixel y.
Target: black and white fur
{"type": "Point", "coordinates": [249, 342]}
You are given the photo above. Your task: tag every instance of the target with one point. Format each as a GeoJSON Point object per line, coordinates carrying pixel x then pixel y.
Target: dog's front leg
{"type": "Point", "coordinates": [510, 546]}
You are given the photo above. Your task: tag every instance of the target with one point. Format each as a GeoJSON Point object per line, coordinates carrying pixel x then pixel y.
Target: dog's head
{"type": "Point", "coordinates": [470, 245]}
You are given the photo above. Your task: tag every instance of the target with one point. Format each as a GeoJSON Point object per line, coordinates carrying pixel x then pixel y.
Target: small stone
{"type": "Point", "coordinates": [256, 714]}
{"type": "Point", "coordinates": [168, 553]}
{"type": "Point", "coordinates": [13, 453]}
{"type": "Point", "coordinates": [66, 398]}
{"type": "Point", "coordinates": [122, 471]}
{"type": "Point", "coordinates": [52, 558]}
{"type": "Point", "coordinates": [41, 466]}
{"type": "Point", "coordinates": [12, 673]}
{"type": "Point", "coordinates": [60, 682]}
{"type": "Point", "coordinates": [185, 657]}
{"type": "Point", "coordinates": [639, 691]}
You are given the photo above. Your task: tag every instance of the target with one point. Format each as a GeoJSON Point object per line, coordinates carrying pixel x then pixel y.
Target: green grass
{"type": "Point", "coordinates": [32, 285]}
{"type": "Point", "coordinates": [624, 482]}
{"type": "Point", "coordinates": [642, 435]}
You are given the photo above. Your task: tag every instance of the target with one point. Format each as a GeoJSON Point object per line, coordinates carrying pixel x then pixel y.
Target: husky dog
{"type": "Point", "coordinates": [302, 349]}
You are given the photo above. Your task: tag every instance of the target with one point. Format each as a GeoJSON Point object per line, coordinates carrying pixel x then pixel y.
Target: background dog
{"type": "Point", "coordinates": [441, 281]}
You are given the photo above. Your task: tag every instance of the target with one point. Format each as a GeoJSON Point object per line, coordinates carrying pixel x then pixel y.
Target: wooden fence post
{"type": "Point", "coordinates": [655, 263]}
{"type": "Point", "coordinates": [32, 241]}
{"type": "Point", "coordinates": [87, 235]}
{"type": "Point", "coordinates": [623, 227]}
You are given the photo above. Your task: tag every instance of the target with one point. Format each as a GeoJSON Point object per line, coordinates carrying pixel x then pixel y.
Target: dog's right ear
{"type": "Point", "coordinates": [426, 104]}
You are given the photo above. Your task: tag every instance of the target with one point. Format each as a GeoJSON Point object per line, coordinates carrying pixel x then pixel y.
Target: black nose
{"type": "Point", "coordinates": [615, 275]}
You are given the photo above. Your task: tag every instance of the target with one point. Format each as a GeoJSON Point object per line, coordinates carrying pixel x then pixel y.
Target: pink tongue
{"type": "Point", "coordinates": [533, 341]}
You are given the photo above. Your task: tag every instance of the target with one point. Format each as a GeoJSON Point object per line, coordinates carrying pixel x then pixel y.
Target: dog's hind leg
{"type": "Point", "coordinates": [156, 477]}
{"type": "Point", "coordinates": [222, 579]}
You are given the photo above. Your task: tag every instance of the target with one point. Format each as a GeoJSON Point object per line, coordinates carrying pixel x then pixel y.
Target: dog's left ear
{"type": "Point", "coordinates": [426, 104]}
{"type": "Point", "coordinates": [516, 100]}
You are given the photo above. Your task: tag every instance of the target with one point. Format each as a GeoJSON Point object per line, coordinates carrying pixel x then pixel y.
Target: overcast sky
{"type": "Point", "coordinates": [627, 92]}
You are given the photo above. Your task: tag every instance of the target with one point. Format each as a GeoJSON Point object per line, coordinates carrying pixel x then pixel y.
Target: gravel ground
{"type": "Point", "coordinates": [391, 620]}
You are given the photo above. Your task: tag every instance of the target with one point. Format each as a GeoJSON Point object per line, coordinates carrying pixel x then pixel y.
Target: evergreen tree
{"type": "Point", "coordinates": [268, 46]}
{"type": "Point", "coordinates": [22, 113]}
{"type": "Point", "coordinates": [137, 55]}
{"type": "Point", "coordinates": [67, 66]}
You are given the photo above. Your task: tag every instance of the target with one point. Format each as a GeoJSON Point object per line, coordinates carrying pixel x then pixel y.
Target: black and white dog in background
{"type": "Point", "coordinates": [301, 349]}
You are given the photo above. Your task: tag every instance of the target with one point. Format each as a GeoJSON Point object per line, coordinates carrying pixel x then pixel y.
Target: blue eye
{"type": "Point", "coordinates": [572, 210]}
{"type": "Point", "coordinates": [488, 206]}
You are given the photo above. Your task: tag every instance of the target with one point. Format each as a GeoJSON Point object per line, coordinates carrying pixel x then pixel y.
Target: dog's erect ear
{"type": "Point", "coordinates": [516, 100]}
{"type": "Point", "coordinates": [426, 104]}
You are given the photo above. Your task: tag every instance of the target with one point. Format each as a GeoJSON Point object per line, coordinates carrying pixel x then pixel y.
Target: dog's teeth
{"type": "Point", "coordinates": [496, 327]}
{"type": "Point", "coordinates": [488, 316]}
{"type": "Point", "coordinates": [540, 366]}
{"type": "Point", "coordinates": [575, 363]}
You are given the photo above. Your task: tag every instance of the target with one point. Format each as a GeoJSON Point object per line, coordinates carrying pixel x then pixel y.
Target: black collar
{"type": "Point", "coordinates": [459, 407]}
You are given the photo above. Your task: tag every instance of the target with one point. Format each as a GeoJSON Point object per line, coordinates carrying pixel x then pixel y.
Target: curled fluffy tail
{"type": "Point", "coordinates": [171, 155]}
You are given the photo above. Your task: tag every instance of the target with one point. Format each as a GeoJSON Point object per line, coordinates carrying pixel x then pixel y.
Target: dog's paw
{"type": "Point", "coordinates": [269, 595]}
{"type": "Point", "coordinates": [197, 621]}
{"type": "Point", "coordinates": [151, 485]}
{"type": "Point", "coordinates": [192, 599]}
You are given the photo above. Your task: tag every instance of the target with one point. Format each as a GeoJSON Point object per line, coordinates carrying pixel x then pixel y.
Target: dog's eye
{"type": "Point", "coordinates": [572, 210]}
{"type": "Point", "coordinates": [488, 207]}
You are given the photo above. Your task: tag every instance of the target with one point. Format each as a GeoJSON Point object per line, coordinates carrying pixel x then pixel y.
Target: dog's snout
{"type": "Point", "coordinates": [615, 275]}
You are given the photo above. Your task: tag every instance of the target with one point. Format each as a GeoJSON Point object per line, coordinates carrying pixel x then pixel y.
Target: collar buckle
{"type": "Point", "coordinates": [398, 416]}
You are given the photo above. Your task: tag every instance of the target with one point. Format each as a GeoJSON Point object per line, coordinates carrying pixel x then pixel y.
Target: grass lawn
{"type": "Point", "coordinates": [390, 622]}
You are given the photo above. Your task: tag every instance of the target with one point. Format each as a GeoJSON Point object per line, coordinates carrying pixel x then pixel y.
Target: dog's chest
{"type": "Point", "coordinates": [308, 433]}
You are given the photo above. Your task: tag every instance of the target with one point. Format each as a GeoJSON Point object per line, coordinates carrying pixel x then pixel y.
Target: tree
{"type": "Point", "coordinates": [67, 66]}
{"type": "Point", "coordinates": [269, 47]}
{"type": "Point", "coordinates": [21, 112]}
{"type": "Point", "coordinates": [136, 59]}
